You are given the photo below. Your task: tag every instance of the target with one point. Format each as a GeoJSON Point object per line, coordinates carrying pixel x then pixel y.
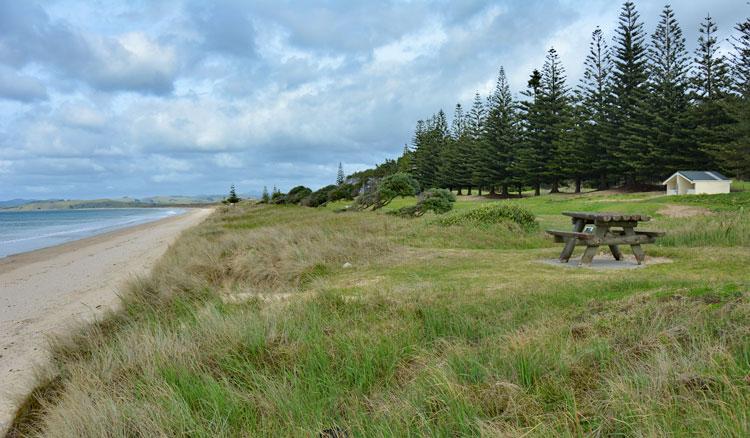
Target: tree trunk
{"type": "Point", "coordinates": [468, 191]}
{"type": "Point", "coordinates": [537, 189]}
{"type": "Point", "coordinates": [520, 192]}
{"type": "Point", "coordinates": [603, 184]}
{"type": "Point", "coordinates": [459, 191]}
{"type": "Point", "coordinates": [492, 190]}
{"type": "Point", "coordinates": [555, 187]}
{"type": "Point", "coordinates": [479, 189]}
{"type": "Point", "coordinates": [578, 184]}
{"type": "Point", "coordinates": [505, 190]}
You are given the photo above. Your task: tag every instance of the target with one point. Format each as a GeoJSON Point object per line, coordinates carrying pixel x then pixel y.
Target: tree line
{"type": "Point", "coordinates": [643, 109]}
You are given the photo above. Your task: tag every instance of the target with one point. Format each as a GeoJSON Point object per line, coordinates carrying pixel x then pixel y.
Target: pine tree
{"type": "Point", "coordinates": [574, 152]}
{"type": "Point", "coordinates": [476, 129]}
{"type": "Point", "coordinates": [532, 156]}
{"type": "Point", "coordinates": [555, 118]}
{"type": "Point", "coordinates": [710, 92]}
{"type": "Point", "coordinates": [629, 92]}
{"type": "Point", "coordinates": [265, 198]}
{"type": "Point", "coordinates": [232, 198]}
{"type": "Point", "coordinates": [736, 154]}
{"type": "Point", "coordinates": [670, 145]}
{"type": "Point", "coordinates": [462, 160]}
{"type": "Point", "coordinates": [711, 76]}
{"type": "Point", "coordinates": [741, 59]}
{"type": "Point", "coordinates": [430, 140]}
{"type": "Point", "coordinates": [499, 155]}
{"type": "Point", "coordinates": [340, 175]}
{"type": "Point", "coordinates": [594, 97]}
{"type": "Point", "coordinates": [405, 162]}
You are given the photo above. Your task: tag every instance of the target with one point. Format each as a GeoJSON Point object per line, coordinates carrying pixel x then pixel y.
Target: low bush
{"type": "Point", "coordinates": [297, 194]}
{"type": "Point", "coordinates": [381, 193]}
{"type": "Point", "coordinates": [343, 191]}
{"type": "Point", "coordinates": [492, 214]}
{"type": "Point", "coordinates": [438, 201]}
{"type": "Point", "coordinates": [318, 197]}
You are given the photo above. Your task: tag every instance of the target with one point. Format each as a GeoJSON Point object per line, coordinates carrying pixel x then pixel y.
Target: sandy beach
{"type": "Point", "coordinates": [49, 290]}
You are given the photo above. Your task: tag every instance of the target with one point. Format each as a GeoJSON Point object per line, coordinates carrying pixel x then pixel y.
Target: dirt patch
{"type": "Point", "coordinates": [672, 210]}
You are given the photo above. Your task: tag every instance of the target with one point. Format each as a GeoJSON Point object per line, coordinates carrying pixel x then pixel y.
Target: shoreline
{"type": "Point", "coordinates": [13, 261]}
{"type": "Point", "coordinates": [50, 290]}
{"type": "Point", "coordinates": [183, 212]}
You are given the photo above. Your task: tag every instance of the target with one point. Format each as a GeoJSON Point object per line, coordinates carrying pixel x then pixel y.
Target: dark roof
{"type": "Point", "coordinates": [702, 175]}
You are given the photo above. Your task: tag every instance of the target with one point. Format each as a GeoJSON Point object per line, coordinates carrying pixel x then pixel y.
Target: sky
{"type": "Point", "coordinates": [140, 98]}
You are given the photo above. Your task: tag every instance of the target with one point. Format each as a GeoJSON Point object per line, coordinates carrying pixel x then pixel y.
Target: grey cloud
{"type": "Point", "coordinates": [22, 88]}
{"type": "Point", "coordinates": [131, 63]}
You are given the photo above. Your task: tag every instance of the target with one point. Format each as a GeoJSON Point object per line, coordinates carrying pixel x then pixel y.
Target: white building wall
{"type": "Point", "coordinates": [712, 187]}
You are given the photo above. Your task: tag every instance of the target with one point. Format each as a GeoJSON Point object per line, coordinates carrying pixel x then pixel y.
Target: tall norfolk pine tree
{"type": "Point", "coordinates": [671, 145]}
{"type": "Point", "coordinates": [555, 118]}
{"type": "Point", "coordinates": [499, 152]}
{"type": "Point", "coordinates": [710, 88]}
{"type": "Point", "coordinates": [532, 156]}
{"type": "Point", "coordinates": [595, 108]}
{"type": "Point", "coordinates": [736, 154]}
{"type": "Point", "coordinates": [477, 133]}
{"type": "Point", "coordinates": [629, 92]}
{"type": "Point", "coordinates": [710, 79]}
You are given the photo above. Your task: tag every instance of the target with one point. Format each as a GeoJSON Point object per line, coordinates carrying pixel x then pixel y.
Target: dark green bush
{"type": "Point", "coordinates": [278, 198]}
{"type": "Point", "coordinates": [343, 191]}
{"type": "Point", "coordinates": [318, 197]}
{"type": "Point", "coordinates": [493, 213]}
{"type": "Point", "coordinates": [438, 201]}
{"type": "Point", "coordinates": [297, 194]}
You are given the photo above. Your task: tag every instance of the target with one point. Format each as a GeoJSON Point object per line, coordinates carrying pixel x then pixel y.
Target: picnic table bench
{"type": "Point", "coordinates": [600, 232]}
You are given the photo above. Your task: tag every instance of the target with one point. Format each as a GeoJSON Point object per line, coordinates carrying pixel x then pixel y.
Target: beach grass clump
{"type": "Point", "coordinates": [291, 321]}
{"type": "Point", "coordinates": [491, 214]}
{"type": "Point", "coordinates": [724, 229]}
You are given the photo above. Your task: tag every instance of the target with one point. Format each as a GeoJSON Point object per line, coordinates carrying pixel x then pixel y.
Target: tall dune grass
{"type": "Point", "coordinates": [252, 326]}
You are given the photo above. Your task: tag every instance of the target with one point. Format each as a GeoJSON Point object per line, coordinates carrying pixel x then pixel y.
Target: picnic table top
{"type": "Point", "coordinates": [608, 217]}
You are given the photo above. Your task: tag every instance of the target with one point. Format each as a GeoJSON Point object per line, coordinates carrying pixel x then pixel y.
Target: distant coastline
{"type": "Point", "coordinates": [78, 204]}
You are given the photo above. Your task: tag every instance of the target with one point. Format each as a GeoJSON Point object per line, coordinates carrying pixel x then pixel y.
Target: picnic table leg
{"type": "Point", "coordinates": [570, 245]}
{"type": "Point", "coordinates": [588, 255]}
{"type": "Point", "coordinates": [640, 256]}
{"type": "Point", "coordinates": [616, 253]}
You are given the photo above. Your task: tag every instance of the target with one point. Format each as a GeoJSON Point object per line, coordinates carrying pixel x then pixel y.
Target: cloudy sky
{"type": "Point", "coordinates": [112, 98]}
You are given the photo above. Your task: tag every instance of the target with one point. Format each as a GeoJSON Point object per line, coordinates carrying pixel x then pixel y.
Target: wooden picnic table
{"type": "Point", "coordinates": [602, 233]}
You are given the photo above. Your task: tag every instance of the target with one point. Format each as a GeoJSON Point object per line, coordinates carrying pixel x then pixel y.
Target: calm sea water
{"type": "Point", "coordinates": [22, 231]}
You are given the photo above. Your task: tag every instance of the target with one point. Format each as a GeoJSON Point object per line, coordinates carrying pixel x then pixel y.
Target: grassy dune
{"type": "Point", "coordinates": [250, 325]}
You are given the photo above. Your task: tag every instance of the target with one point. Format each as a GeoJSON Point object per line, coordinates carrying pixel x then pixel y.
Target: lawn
{"type": "Point", "coordinates": [252, 325]}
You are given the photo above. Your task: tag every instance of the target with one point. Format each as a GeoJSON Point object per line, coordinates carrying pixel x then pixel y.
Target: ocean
{"type": "Point", "coordinates": [22, 231]}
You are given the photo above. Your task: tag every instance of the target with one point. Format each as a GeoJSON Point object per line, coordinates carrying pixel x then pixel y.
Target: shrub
{"type": "Point", "coordinates": [278, 198]}
{"type": "Point", "coordinates": [492, 214]}
{"type": "Point", "coordinates": [343, 191]}
{"type": "Point", "coordinates": [297, 194]}
{"type": "Point", "coordinates": [381, 193]}
{"type": "Point", "coordinates": [438, 201]}
{"type": "Point", "coordinates": [318, 197]}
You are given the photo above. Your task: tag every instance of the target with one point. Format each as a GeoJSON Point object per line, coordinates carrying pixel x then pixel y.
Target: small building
{"type": "Point", "coordinates": [697, 182]}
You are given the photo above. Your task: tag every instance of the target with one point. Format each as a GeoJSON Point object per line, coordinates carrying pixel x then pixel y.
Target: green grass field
{"type": "Point", "coordinates": [252, 326]}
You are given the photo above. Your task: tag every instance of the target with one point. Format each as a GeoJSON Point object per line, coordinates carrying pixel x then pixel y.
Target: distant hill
{"type": "Point", "coordinates": [10, 203]}
{"type": "Point", "coordinates": [126, 202]}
